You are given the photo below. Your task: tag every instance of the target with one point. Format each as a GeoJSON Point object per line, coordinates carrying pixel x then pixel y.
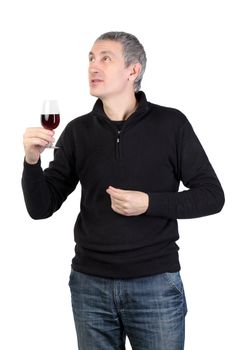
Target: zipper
{"type": "Point", "coordinates": [118, 140]}
{"type": "Point", "coordinates": [118, 144]}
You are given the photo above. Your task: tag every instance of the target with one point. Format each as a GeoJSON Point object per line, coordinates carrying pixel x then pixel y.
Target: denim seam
{"type": "Point", "coordinates": [172, 284]}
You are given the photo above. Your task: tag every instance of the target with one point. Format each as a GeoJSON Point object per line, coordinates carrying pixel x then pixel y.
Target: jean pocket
{"type": "Point", "coordinates": [174, 281]}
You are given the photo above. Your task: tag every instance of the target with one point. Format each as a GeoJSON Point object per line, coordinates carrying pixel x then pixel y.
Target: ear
{"type": "Point", "coordinates": [134, 71]}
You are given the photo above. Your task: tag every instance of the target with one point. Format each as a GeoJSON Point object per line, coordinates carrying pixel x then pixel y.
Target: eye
{"type": "Point", "coordinates": [106, 59]}
{"type": "Point", "coordinates": [90, 58]}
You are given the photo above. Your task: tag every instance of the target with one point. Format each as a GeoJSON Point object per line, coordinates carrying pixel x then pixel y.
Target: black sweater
{"type": "Point", "coordinates": [155, 150]}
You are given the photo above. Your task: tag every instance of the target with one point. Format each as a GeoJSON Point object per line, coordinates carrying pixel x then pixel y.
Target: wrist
{"type": "Point", "coordinates": [31, 161]}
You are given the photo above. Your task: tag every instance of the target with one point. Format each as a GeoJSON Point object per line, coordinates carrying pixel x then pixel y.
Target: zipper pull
{"type": "Point", "coordinates": [118, 144]}
{"type": "Point", "coordinates": [118, 136]}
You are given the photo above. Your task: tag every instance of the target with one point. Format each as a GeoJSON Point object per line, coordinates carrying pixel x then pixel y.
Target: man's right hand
{"type": "Point", "coordinates": [35, 140]}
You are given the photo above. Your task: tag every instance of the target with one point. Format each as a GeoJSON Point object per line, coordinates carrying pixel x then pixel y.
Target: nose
{"type": "Point", "coordinates": [93, 69]}
{"type": "Point", "coordinates": [93, 66]}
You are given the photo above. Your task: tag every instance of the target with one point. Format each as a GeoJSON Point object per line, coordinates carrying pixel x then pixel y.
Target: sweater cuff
{"type": "Point", "coordinates": [158, 205]}
{"type": "Point", "coordinates": [31, 169]}
{"type": "Point", "coordinates": [32, 165]}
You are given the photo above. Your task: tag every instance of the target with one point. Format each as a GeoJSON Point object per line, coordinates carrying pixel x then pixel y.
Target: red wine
{"type": "Point", "coordinates": [50, 121]}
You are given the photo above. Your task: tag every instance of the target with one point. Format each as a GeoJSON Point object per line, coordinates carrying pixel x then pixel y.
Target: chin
{"type": "Point", "coordinates": [97, 94]}
{"type": "Point", "coordinates": [93, 93]}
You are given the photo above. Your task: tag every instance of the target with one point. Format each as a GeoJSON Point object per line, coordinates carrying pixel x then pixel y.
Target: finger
{"type": "Point", "coordinates": [116, 190]}
{"type": "Point", "coordinates": [42, 136]}
{"type": "Point", "coordinates": [117, 194]}
{"type": "Point", "coordinates": [117, 209]}
{"type": "Point", "coordinates": [122, 204]}
{"type": "Point", "coordinates": [117, 197]}
{"type": "Point", "coordinates": [36, 143]}
{"type": "Point", "coordinates": [38, 132]}
{"type": "Point", "coordinates": [37, 129]}
{"type": "Point", "coordinates": [121, 210]}
{"type": "Point", "coordinates": [119, 204]}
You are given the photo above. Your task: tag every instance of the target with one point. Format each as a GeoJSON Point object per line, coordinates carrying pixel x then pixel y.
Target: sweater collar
{"type": "Point", "coordinates": [143, 107]}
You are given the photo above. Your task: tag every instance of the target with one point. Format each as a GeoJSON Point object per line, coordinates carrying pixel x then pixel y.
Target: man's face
{"type": "Point", "coordinates": [108, 76]}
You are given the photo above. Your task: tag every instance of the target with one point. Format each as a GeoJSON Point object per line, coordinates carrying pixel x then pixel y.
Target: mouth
{"type": "Point", "coordinates": [96, 81]}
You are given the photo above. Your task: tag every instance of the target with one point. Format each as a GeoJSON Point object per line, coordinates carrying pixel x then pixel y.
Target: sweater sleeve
{"type": "Point", "coordinates": [45, 191]}
{"type": "Point", "coordinates": [204, 196]}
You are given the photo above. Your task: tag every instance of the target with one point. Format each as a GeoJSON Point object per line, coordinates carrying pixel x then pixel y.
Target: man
{"type": "Point", "coordinates": [129, 156]}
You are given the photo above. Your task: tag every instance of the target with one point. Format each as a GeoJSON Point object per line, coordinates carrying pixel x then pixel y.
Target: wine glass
{"type": "Point", "coordinates": [50, 116]}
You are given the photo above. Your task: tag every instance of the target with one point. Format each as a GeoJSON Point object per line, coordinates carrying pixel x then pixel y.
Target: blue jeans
{"type": "Point", "coordinates": [149, 310]}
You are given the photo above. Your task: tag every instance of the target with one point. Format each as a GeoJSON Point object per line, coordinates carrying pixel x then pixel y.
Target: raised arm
{"type": "Point", "coordinates": [45, 191]}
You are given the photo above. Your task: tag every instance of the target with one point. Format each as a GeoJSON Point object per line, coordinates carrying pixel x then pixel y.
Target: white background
{"type": "Point", "coordinates": [196, 60]}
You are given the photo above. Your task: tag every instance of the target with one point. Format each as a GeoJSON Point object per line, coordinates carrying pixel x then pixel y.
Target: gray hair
{"type": "Point", "coordinates": [133, 51]}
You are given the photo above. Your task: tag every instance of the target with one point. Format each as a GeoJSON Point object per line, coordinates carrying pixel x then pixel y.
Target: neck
{"type": "Point", "coordinates": [120, 109]}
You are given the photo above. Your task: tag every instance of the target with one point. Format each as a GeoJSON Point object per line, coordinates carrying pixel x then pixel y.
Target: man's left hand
{"type": "Point", "coordinates": [128, 203]}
